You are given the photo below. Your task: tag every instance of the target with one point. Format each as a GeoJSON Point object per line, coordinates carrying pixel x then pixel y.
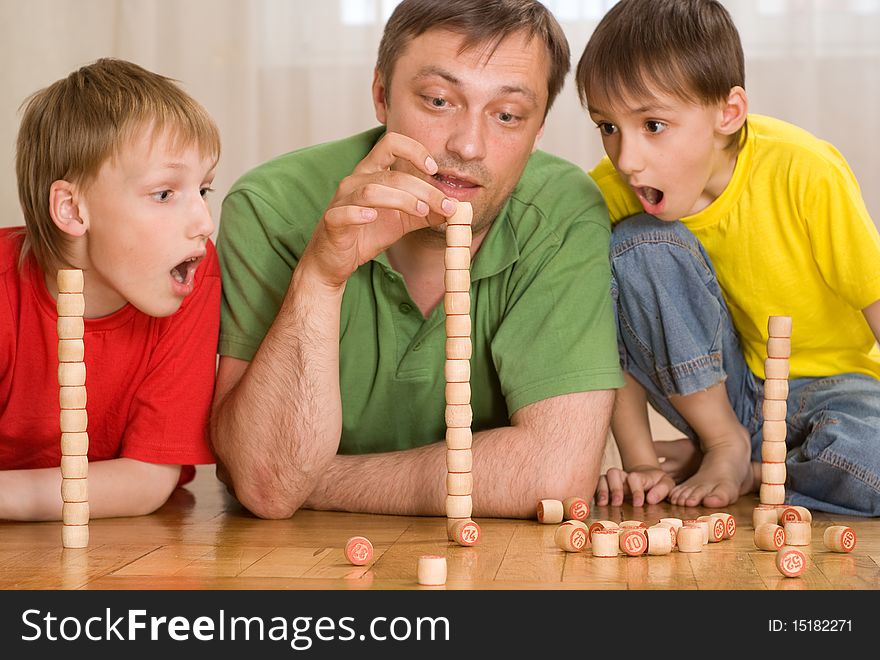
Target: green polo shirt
{"type": "Point", "coordinates": [541, 308]}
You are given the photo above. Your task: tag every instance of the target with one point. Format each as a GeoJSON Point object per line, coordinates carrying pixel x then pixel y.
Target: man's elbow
{"type": "Point", "coordinates": [577, 476]}
{"type": "Point", "coordinates": [258, 487]}
{"type": "Point", "coordinates": [268, 508]}
{"type": "Point", "coordinates": [264, 499]}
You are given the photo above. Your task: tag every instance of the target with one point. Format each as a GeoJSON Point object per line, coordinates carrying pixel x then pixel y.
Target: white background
{"type": "Point", "coordinates": [282, 74]}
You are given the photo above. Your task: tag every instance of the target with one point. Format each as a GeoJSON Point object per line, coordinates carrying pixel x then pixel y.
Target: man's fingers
{"type": "Point", "coordinates": [381, 196]}
{"type": "Point", "coordinates": [373, 190]}
{"type": "Point", "coordinates": [343, 216]}
{"type": "Point", "coordinates": [386, 198]}
{"type": "Point", "coordinates": [394, 146]}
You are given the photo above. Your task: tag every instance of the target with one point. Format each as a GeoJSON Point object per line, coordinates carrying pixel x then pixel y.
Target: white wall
{"type": "Point", "coordinates": [281, 74]}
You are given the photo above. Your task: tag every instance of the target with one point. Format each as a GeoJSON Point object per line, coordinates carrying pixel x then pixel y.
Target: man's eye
{"type": "Point", "coordinates": [438, 102]}
{"type": "Point", "coordinates": [162, 196]}
{"type": "Point", "coordinates": [655, 126]}
{"type": "Point", "coordinates": [506, 117]}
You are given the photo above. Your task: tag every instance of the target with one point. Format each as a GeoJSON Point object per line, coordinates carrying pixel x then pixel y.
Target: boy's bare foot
{"type": "Point", "coordinates": [725, 473]}
{"type": "Point", "coordinates": [753, 485]}
{"type": "Point", "coordinates": [681, 457]}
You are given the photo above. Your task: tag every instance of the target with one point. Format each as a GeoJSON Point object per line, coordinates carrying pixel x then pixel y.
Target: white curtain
{"type": "Point", "coordinates": [282, 74]}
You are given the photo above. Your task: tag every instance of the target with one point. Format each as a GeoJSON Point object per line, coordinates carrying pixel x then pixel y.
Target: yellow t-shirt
{"type": "Point", "coordinates": [790, 235]}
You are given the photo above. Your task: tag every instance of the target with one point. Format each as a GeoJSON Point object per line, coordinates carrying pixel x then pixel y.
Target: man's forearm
{"type": "Point", "coordinates": [513, 468]}
{"type": "Point", "coordinates": [277, 429]}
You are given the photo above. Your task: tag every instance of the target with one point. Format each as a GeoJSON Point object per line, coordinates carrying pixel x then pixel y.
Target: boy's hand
{"type": "Point", "coordinates": [374, 207]}
{"type": "Point", "coordinates": [643, 483]}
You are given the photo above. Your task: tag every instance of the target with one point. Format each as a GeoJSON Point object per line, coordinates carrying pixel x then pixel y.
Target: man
{"type": "Point", "coordinates": [330, 390]}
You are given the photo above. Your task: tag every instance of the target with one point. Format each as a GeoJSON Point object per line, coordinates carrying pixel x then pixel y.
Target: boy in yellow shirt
{"type": "Point", "coordinates": [737, 217]}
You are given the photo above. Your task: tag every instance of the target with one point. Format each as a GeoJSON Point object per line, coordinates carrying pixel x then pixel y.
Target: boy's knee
{"type": "Point", "coordinates": [643, 247]}
{"type": "Point", "coordinates": [645, 228]}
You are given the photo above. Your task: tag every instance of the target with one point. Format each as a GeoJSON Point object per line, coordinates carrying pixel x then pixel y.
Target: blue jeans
{"type": "Point", "coordinates": [676, 336]}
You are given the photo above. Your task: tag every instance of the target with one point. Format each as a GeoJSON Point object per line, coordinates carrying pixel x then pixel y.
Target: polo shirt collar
{"type": "Point", "coordinates": [500, 250]}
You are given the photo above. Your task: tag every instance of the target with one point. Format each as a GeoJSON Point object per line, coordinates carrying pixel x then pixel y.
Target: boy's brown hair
{"type": "Point", "coordinates": [70, 128]}
{"type": "Point", "coordinates": [481, 22]}
{"type": "Point", "coordinates": [687, 48]}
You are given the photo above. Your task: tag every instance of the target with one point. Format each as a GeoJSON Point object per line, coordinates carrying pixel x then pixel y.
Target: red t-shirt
{"type": "Point", "coordinates": [149, 381]}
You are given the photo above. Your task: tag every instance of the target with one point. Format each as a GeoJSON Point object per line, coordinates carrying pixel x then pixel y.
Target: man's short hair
{"type": "Point", "coordinates": [70, 128]}
{"type": "Point", "coordinates": [480, 22]}
{"type": "Point", "coordinates": [687, 48]}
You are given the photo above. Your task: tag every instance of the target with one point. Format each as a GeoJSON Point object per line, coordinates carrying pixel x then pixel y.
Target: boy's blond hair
{"type": "Point", "coordinates": [69, 129]}
{"type": "Point", "coordinates": [687, 48]}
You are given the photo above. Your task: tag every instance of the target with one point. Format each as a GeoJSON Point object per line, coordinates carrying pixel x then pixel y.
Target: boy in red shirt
{"type": "Point", "coordinates": [113, 165]}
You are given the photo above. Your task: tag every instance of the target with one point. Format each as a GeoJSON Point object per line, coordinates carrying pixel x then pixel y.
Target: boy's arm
{"type": "Point", "coordinates": [116, 487]}
{"type": "Point", "coordinates": [872, 315]}
{"type": "Point", "coordinates": [631, 428]}
{"type": "Point", "coordinates": [641, 472]}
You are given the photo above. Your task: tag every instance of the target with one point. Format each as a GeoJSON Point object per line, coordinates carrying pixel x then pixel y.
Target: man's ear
{"type": "Point", "coordinates": [733, 112]}
{"type": "Point", "coordinates": [380, 97]}
{"type": "Point", "coordinates": [65, 209]}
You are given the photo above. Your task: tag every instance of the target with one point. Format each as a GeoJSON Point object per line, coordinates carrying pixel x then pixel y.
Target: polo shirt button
{"type": "Point", "coordinates": [406, 308]}
{"type": "Point", "coordinates": [417, 346]}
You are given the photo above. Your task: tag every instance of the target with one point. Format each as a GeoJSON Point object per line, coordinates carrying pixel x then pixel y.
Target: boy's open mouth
{"type": "Point", "coordinates": [652, 195]}
{"type": "Point", "coordinates": [184, 272]}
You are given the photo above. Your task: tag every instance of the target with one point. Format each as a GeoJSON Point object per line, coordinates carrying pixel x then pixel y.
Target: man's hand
{"type": "Point", "coordinates": [373, 208]}
{"type": "Point", "coordinates": [643, 483]}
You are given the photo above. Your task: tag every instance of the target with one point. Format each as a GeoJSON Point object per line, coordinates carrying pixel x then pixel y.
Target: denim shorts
{"type": "Point", "coordinates": [676, 337]}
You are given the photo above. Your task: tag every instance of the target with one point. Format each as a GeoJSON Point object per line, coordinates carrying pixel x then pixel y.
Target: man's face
{"type": "Point", "coordinates": [479, 114]}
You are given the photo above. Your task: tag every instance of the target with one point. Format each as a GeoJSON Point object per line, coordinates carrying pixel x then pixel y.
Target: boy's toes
{"type": "Point", "coordinates": [685, 495]}
{"type": "Point", "coordinates": [696, 496]}
{"type": "Point", "coordinates": [722, 495]}
{"type": "Point", "coordinates": [676, 495]}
